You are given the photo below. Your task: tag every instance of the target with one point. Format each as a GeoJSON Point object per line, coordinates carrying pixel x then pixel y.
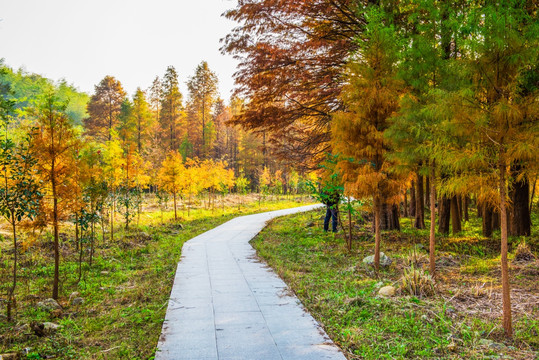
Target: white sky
{"type": "Point", "coordinates": [132, 40]}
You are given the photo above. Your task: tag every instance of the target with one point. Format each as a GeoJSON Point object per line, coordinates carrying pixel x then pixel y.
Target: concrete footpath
{"type": "Point", "coordinates": [226, 304]}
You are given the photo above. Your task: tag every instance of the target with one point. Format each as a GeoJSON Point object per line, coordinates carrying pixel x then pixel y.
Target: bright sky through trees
{"type": "Point", "coordinates": [83, 41]}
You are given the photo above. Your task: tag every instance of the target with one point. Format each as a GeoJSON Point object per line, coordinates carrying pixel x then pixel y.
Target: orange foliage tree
{"type": "Point", "coordinates": [53, 141]}
{"type": "Point", "coordinates": [371, 98]}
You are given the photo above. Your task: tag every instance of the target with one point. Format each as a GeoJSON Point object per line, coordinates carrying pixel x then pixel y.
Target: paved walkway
{"type": "Point", "coordinates": [225, 304]}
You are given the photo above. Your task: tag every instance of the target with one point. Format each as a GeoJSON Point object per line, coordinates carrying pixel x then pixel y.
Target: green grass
{"type": "Point", "coordinates": [125, 291]}
{"type": "Point", "coordinates": [342, 293]}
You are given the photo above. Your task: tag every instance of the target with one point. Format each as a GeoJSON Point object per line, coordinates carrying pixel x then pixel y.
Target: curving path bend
{"type": "Point", "coordinates": [225, 304]}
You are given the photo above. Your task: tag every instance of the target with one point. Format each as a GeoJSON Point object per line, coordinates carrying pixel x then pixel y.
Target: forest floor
{"type": "Point", "coordinates": [121, 299]}
{"type": "Point", "coordinates": [459, 317]}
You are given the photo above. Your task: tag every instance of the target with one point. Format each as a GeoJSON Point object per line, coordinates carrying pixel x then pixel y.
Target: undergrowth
{"type": "Point", "coordinates": [458, 317]}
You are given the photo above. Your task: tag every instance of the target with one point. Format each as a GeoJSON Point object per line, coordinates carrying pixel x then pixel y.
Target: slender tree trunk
{"type": "Point", "coordinates": [412, 200]}
{"type": "Point", "coordinates": [349, 225]}
{"type": "Point", "coordinates": [460, 207]}
{"type": "Point", "coordinates": [533, 195]}
{"type": "Point", "coordinates": [479, 210]}
{"type": "Point", "coordinates": [76, 233]}
{"type": "Point", "coordinates": [11, 304]}
{"type": "Point", "coordinates": [432, 235]}
{"type": "Point", "coordinates": [506, 291]}
{"type": "Point", "coordinates": [395, 217]}
{"type": "Point", "coordinates": [112, 210]}
{"type": "Point", "coordinates": [496, 220]}
{"type": "Point", "coordinates": [55, 285]}
{"type": "Point", "coordinates": [466, 208]}
{"type": "Point", "coordinates": [102, 227]}
{"type": "Point", "coordinates": [444, 214]}
{"type": "Point", "coordinates": [519, 215]}
{"type": "Point", "coordinates": [92, 243]}
{"type": "Point", "coordinates": [80, 259]}
{"type": "Point", "coordinates": [427, 192]}
{"type": "Point", "coordinates": [377, 237]}
{"type": "Point", "coordinates": [175, 207]}
{"type": "Point", "coordinates": [405, 203]}
{"type": "Point", "coordinates": [419, 210]}
{"type": "Point", "coordinates": [487, 220]}
{"type": "Point", "coordinates": [139, 205]}
{"type": "Point", "coordinates": [455, 216]}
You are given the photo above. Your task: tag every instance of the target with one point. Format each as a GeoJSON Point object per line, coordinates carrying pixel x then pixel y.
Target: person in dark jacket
{"type": "Point", "coordinates": [331, 200]}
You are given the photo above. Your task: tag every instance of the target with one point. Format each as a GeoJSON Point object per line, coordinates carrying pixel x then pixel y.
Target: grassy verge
{"type": "Point", "coordinates": [124, 292]}
{"type": "Point", "coordinates": [462, 319]}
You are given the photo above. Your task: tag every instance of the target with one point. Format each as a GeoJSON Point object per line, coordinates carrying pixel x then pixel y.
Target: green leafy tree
{"type": "Point", "coordinates": [429, 71]}
{"type": "Point", "coordinates": [19, 195]}
{"type": "Point", "coordinates": [497, 114]}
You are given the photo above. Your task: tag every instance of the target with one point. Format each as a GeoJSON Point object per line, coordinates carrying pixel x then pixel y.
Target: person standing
{"type": "Point", "coordinates": [331, 200]}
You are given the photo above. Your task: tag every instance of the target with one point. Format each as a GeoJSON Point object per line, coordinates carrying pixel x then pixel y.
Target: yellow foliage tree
{"type": "Point", "coordinates": [53, 142]}
{"type": "Point", "coordinates": [114, 162]}
{"type": "Point", "coordinates": [172, 176]}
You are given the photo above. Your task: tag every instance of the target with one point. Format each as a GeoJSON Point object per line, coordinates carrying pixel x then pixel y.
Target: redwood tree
{"type": "Point", "coordinates": [498, 113]}
{"type": "Point", "coordinates": [104, 108]}
{"type": "Point", "coordinates": [292, 57]}
{"type": "Point", "coordinates": [53, 140]}
{"type": "Point", "coordinates": [358, 134]}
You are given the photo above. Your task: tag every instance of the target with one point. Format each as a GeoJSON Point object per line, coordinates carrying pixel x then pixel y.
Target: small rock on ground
{"type": "Point", "coordinates": [384, 260]}
{"type": "Point", "coordinates": [77, 301]}
{"type": "Point", "coordinates": [387, 291]}
{"type": "Point", "coordinates": [48, 305]}
{"type": "Point", "coordinates": [50, 327]}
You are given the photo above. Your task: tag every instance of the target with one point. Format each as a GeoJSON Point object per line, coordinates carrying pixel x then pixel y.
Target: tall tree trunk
{"type": "Point", "coordinates": [92, 243]}
{"type": "Point", "coordinates": [419, 209]}
{"type": "Point", "coordinates": [496, 220]}
{"type": "Point", "coordinates": [395, 217]}
{"type": "Point", "coordinates": [466, 208]}
{"type": "Point", "coordinates": [487, 220]}
{"type": "Point", "coordinates": [56, 281]}
{"type": "Point", "coordinates": [349, 225]}
{"type": "Point", "coordinates": [455, 216]}
{"type": "Point", "coordinates": [139, 205]}
{"type": "Point", "coordinates": [432, 235]}
{"type": "Point", "coordinates": [427, 192]}
{"type": "Point", "coordinates": [175, 207]}
{"type": "Point", "coordinates": [506, 291]}
{"type": "Point", "coordinates": [76, 232]}
{"type": "Point", "coordinates": [479, 209]}
{"type": "Point", "coordinates": [405, 203]}
{"type": "Point", "coordinates": [80, 257]}
{"type": "Point", "coordinates": [519, 193]}
{"type": "Point", "coordinates": [412, 200]}
{"type": "Point", "coordinates": [11, 304]}
{"type": "Point", "coordinates": [460, 205]}
{"type": "Point", "coordinates": [112, 210]}
{"type": "Point", "coordinates": [444, 214]}
{"type": "Point", "coordinates": [533, 195]}
{"type": "Point", "coordinates": [389, 216]}
{"type": "Point", "coordinates": [377, 237]}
